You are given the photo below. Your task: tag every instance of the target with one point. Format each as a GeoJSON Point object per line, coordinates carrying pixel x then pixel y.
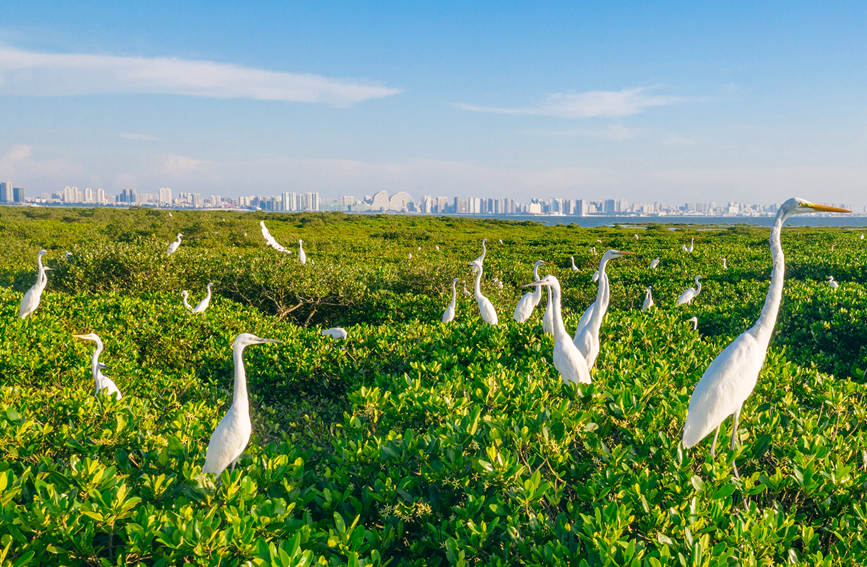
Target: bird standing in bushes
{"type": "Point", "coordinates": [654, 263]}
{"type": "Point", "coordinates": [449, 314]}
{"type": "Point", "coordinates": [302, 256]}
{"type": "Point", "coordinates": [587, 334]}
{"type": "Point", "coordinates": [173, 247]}
{"type": "Point", "coordinates": [200, 306]}
{"type": "Point", "coordinates": [690, 248]}
{"type": "Point", "coordinates": [336, 333]}
{"type": "Point", "coordinates": [691, 293]}
{"type": "Point", "coordinates": [530, 300]}
{"type": "Point", "coordinates": [231, 436]}
{"type": "Point", "coordinates": [486, 308]}
{"type": "Point", "coordinates": [731, 377]}
{"type": "Point", "coordinates": [33, 296]}
{"type": "Point", "coordinates": [102, 381]}
{"type": "Point", "coordinates": [481, 258]}
{"type": "Point", "coordinates": [648, 299]}
{"type": "Point", "coordinates": [694, 321]}
{"type": "Point", "coordinates": [831, 283]}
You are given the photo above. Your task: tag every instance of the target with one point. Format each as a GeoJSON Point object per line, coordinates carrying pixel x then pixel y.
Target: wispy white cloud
{"type": "Point", "coordinates": [32, 73]}
{"type": "Point", "coordinates": [614, 132]}
{"type": "Point", "coordinates": [590, 104]}
{"type": "Point", "coordinates": [138, 137]}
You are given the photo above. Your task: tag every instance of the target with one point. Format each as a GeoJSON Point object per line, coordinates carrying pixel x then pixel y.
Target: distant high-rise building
{"type": "Point", "coordinates": [100, 196]}
{"type": "Point", "coordinates": [88, 195]}
{"type": "Point", "coordinates": [5, 192]}
{"type": "Point", "coordinates": [165, 195]}
{"type": "Point", "coordinates": [18, 194]}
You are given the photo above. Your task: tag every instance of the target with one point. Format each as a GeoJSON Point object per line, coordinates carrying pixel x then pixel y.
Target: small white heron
{"type": "Point", "coordinates": [529, 300]}
{"type": "Point", "coordinates": [725, 264]}
{"type": "Point", "coordinates": [694, 321]}
{"type": "Point", "coordinates": [33, 296]}
{"type": "Point", "coordinates": [486, 308]}
{"type": "Point", "coordinates": [831, 283]}
{"type": "Point", "coordinates": [200, 306]}
{"type": "Point", "coordinates": [481, 259]}
{"type": "Point", "coordinates": [231, 436]}
{"type": "Point", "coordinates": [302, 256]}
{"type": "Point", "coordinates": [654, 263]}
{"type": "Point", "coordinates": [691, 293]}
{"type": "Point", "coordinates": [449, 314]}
{"type": "Point", "coordinates": [572, 260]}
{"type": "Point", "coordinates": [689, 248]}
{"type": "Point", "coordinates": [173, 247]}
{"type": "Point", "coordinates": [336, 333]}
{"type": "Point", "coordinates": [101, 381]}
{"type": "Point", "coordinates": [648, 299]}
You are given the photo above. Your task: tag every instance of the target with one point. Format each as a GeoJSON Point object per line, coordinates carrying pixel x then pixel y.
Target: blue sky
{"type": "Point", "coordinates": [666, 102]}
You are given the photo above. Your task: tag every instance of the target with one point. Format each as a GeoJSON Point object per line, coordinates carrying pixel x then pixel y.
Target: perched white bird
{"type": "Point", "coordinates": [725, 265]}
{"type": "Point", "coordinates": [437, 247]}
{"type": "Point", "coordinates": [418, 249]}
{"type": "Point", "coordinates": [691, 247]}
{"type": "Point", "coordinates": [33, 296]}
{"type": "Point", "coordinates": [654, 263]}
{"type": "Point", "coordinates": [694, 321]}
{"type": "Point", "coordinates": [731, 377]}
{"type": "Point", "coordinates": [173, 247]}
{"type": "Point", "coordinates": [636, 236]}
{"type": "Point", "coordinates": [271, 241]}
{"type": "Point", "coordinates": [574, 267]}
{"type": "Point", "coordinates": [481, 259]}
{"type": "Point", "coordinates": [832, 283]}
{"type": "Point", "coordinates": [101, 381]}
{"type": "Point", "coordinates": [449, 314]}
{"type": "Point", "coordinates": [500, 240]}
{"type": "Point", "coordinates": [587, 336]}
{"type": "Point", "coordinates": [595, 277]}
{"type": "Point", "coordinates": [67, 255]}
{"type": "Point", "coordinates": [497, 283]}
{"type": "Point", "coordinates": [486, 308]}
{"type": "Point", "coordinates": [466, 291]}
{"type": "Point", "coordinates": [200, 306]}
{"type": "Point", "coordinates": [231, 436]}
{"type": "Point", "coordinates": [410, 255]}
{"type": "Point", "coordinates": [302, 257]}
{"type": "Point", "coordinates": [691, 293]}
{"type": "Point", "coordinates": [593, 250]}
{"type": "Point", "coordinates": [648, 299]}
{"type": "Point", "coordinates": [862, 236]}
{"type": "Point", "coordinates": [529, 300]}
{"type": "Point", "coordinates": [185, 294]}
{"type": "Point", "coordinates": [568, 360]}
{"type": "Point", "coordinates": [336, 333]}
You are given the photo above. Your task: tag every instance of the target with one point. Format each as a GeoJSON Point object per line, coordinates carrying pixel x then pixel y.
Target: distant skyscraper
{"type": "Point", "coordinates": [165, 195]}
{"type": "Point", "coordinates": [18, 194]}
{"type": "Point", "coordinates": [5, 192]}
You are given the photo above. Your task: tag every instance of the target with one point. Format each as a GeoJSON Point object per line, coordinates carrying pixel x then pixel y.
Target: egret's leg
{"type": "Point", "coordinates": [734, 438]}
{"type": "Point", "coordinates": [713, 446]}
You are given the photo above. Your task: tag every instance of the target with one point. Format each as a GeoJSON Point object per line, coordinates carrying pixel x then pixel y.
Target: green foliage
{"type": "Point", "coordinates": [415, 442]}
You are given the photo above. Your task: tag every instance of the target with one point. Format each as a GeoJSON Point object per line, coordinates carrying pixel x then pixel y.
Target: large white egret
{"type": "Point", "coordinates": [574, 267]}
{"type": "Point", "coordinates": [203, 304]}
{"type": "Point", "coordinates": [33, 296]}
{"type": "Point", "coordinates": [449, 313]}
{"type": "Point", "coordinates": [587, 336]}
{"type": "Point", "coordinates": [336, 333]}
{"type": "Point", "coordinates": [654, 263]}
{"type": "Point", "coordinates": [101, 381]}
{"type": "Point", "coordinates": [833, 284]}
{"type": "Point", "coordinates": [691, 293]}
{"type": "Point", "coordinates": [568, 360]}
{"type": "Point", "coordinates": [689, 248]}
{"type": "Point", "coordinates": [231, 436]}
{"type": "Point", "coordinates": [731, 377]}
{"type": "Point", "coordinates": [271, 241]}
{"type": "Point", "coordinates": [302, 256]}
{"type": "Point", "coordinates": [173, 247]}
{"type": "Point", "coordinates": [486, 308]}
{"type": "Point", "coordinates": [694, 321]}
{"type": "Point", "coordinates": [529, 300]}
{"type": "Point", "coordinates": [185, 295]}
{"type": "Point", "coordinates": [648, 299]}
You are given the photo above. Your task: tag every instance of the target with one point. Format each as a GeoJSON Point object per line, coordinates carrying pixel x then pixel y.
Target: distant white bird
{"type": "Point", "coordinates": [636, 236]}
{"type": "Point", "coordinates": [691, 293]}
{"type": "Point", "coordinates": [731, 377]}
{"type": "Point", "coordinates": [725, 266]}
{"type": "Point", "coordinates": [595, 277]}
{"type": "Point", "coordinates": [170, 214]}
{"type": "Point", "coordinates": [302, 257]}
{"type": "Point", "coordinates": [67, 255]}
{"type": "Point", "coordinates": [694, 321]}
{"type": "Point", "coordinates": [497, 283]}
{"type": "Point", "coordinates": [185, 294]}
{"type": "Point", "coordinates": [101, 381]}
{"type": "Point", "coordinates": [486, 308]}
{"type": "Point", "coordinates": [574, 267]}
{"type": "Point", "coordinates": [231, 436]}
{"type": "Point", "coordinates": [410, 255]}
{"type": "Point", "coordinates": [832, 283]}
{"type": "Point", "coordinates": [648, 299]}
{"type": "Point", "coordinates": [654, 263]}
{"type": "Point", "coordinates": [529, 300]}
{"type": "Point", "coordinates": [481, 259]}
{"type": "Point", "coordinates": [200, 306]}
{"type": "Point", "coordinates": [449, 314]}
{"type": "Point", "coordinates": [336, 333]}
{"type": "Point", "coordinates": [437, 247]}
{"type": "Point", "coordinates": [691, 247]}
{"type": "Point", "coordinates": [30, 300]}
{"type": "Point", "coordinates": [568, 360]}
{"type": "Point", "coordinates": [587, 336]}
{"type": "Point", "coordinates": [173, 247]}
{"type": "Point", "coordinates": [418, 249]}
{"type": "Point", "coordinates": [271, 241]}
{"type": "Point", "coordinates": [862, 236]}
{"type": "Point", "coordinates": [500, 240]}
{"type": "Point", "coordinates": [593, 250]}
{"type": "Point", "coordinates": [466, 291]}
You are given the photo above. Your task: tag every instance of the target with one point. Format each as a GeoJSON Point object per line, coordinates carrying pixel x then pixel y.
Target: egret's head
{"type": "Point", "coordinates": [484, 240]}
{"type": "Point", "coordinates": [476, 265]}
{"type": "Point", "coordinates": [548, 281]}
{"type": "Point", "coordinates": [180, 235]}
{"type": "Point", "coordinates": [88, 337]}
{"type": "Point", "coordinates": [210, 285]}
{"type": "Point", "coordinates": [246, 339]}
{"type": "Point", "coordinates": [611, 254]}
{"type": "Point", "coordinates": [540, 263]}
{"type": "Point", "coordinates": [185, 293]}
{"type": "Point", "coordinates": [798, 206]}
{"type": "Point", "coordinates": [42, 253]}
{"type": "Point", "coordinates": [454, 281]}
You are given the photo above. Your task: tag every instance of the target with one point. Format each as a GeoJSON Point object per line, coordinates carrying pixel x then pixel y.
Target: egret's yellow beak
{"type": "Point", "coordinates": [827, 208]}
{"type": "Point", "coordinates": [626, 252]}
{"type": "Point", "coordinates": [85, 337]}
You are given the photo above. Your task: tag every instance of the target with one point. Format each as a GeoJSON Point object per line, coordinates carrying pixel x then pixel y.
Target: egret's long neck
{"type": "Point", "coordinates": [698, 284]}
{"type": "Point", "coordinates": [454, 292]}
{"type": "Point", "coordinates": [765, 324]}
{"type": "Point", "coordinates": [209, 294]}
{"type": "Point", "coordinates": [186, 303]}
{"type": "Point", "coordinates": [537, 294]}
{"type": "Point", "coordinates": [603, 282]}
{"type": "Point", "coordinates": [557, 313]}
{"type": "Point", "coordinates": [478, 284]}
{"type": "Point", "coordinates": [94, 362]}
{"type": "Point", "coordinates": [42, 278]}
{"type": "Point", "coordinates": [484, 250]}
{"type": "Point", "coordinates": [239, 397]}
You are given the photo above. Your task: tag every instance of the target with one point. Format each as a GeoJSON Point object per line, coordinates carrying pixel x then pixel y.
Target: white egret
{"type": "Point", "coordinates": [486, 308]}
{"type": "Point", "coordinates": [691, 293]}
{"type": "Point", "coordinates": [731, 377]}
{"type": "Point", "coordinates": [694, 321]}
{"type": "Point", "coordinates": [831, 283]}
{"type": "Point", "coordinates": [595, 277]}
{"type": "Point", "coordinates": [101, 381]}
{"type": "Point", "coordinates": [654, 263]}
{"type": "Point", "coordinates": [173, 247]}
{"type": "Point", "coordinates": [574, 267]}
{"type": "Point", "coordinates": [271, 241]}
{"type": "Point", "coordinates": [33, 296]}
{"type": "Point", "coordinates": [231, 436]}
{"type": "Point", "coordinates": [587, 336]}
{"type": "Point", "coordinates": [67, 255]}
{"type": "Point", "coordinates": [203, 304]}
{"type": "Point", "coordinates": [691, 247]}
{"type": "Point", "coordinates": [593, 250]}
{"type": "Point", "coordinates": [437, 247]}
{"type": "Point", "coordinates": [548, 317]}
{"type": "Point", "coordinates": [481, 259]}
{"type": "Point", "coordinates": [185, 294]}
{"type": "Point", "coordinates": [336, 333]}
{"type": "Point", "coordinates": [449, 314]}
{"type": "Point", "coordinates": [529, 300]}
{"type": "Point", "coordinates": [862, 236]}
{"type": "Point", "coordinates": [410, 255]}
{"type": "Point", "coordinates": [302, 257]}
{"type": "Point", "coordinates": [725, 265]}
{"type": "Point", "coordinates": [648, 299]}
{"type": "Point", "coordinates": [568, 360]}
{"type": "Point", "coordinates": [418, 249]}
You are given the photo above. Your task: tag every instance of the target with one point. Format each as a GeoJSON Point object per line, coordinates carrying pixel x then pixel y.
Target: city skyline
{"type": "Point", "coordinates": [738, 103]}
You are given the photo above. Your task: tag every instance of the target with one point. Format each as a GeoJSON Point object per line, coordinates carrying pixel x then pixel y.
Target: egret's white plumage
{"type": "Point", "coordinates": [654, 263]}
{"type": "Point", "coordinates": [481, 259]}
{"type": "Point", "coordinates": [336, 333]}
{"type": "Point", "coordinates": [595, 277]}
{"type": "Point", "coordinates": [548, 317]}
{"type": "Point", "coordinates": [32, 297]}
{"type": "Point", "coordinates": [173, 247]}
{"type": "Point", "coordinates": [648, 299]}
{"type": "Point", "coordinates": [529, 300]}
{"type": "Point", "coordinates": [725, 264]}
{"type": "Point", "coordinates": [691, 293]}
{"type": "Point", "coordinates": [587, 336]}
{"type": "Point", "coordinates": [101, 381]}
{"type": "Point", "coordinates": [271, 241]}
{"type": "Point", "coordinates": [203, 304]}
{"type": "Point", "coordinates": [694, 321]}
{"type": "Point", "coordinates": [731, 377]}
{"type": "Point", "coordinates": [231, 436]}
{"type": "Point", "coordinates": [568, 360]}
{"type": "Point", "coordinates": [486, 308]}
{"type": "Point", "coordinates": [449, 313]}
{"type": "Point", "coordinates": [689, 248]}
{"type": "Point", "coordinates": [833, 284]}
{"type": "Point", "coordinates": [572, 260]}
{"type": "Point", "coordinates": [185, 295]}
{"type": "Point", "coordinates": [302, 256]}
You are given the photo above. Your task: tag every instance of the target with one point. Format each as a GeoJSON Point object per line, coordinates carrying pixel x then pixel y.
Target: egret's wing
{"type": "Point", "coordinates": [227, 443]}
{"type": "Point", "coordinates": [723, 387]}
{"type": "Point", "coordinates": [585, 318]}
{"type": "Point", "coordinates": [271, 241]}
{"type": "Point", "coordinates": [524, 308]}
